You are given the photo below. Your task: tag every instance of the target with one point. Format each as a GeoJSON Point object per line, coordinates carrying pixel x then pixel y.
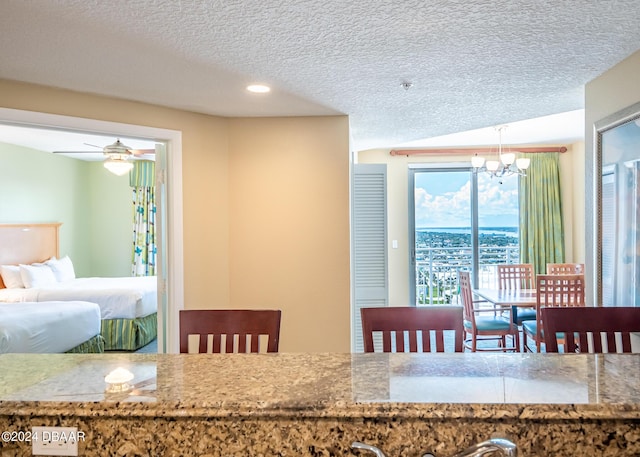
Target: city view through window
{"type": "Point", "coordinates": [443, 216]}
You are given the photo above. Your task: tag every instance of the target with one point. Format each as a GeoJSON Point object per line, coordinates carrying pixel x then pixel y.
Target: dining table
{"type": "Point", "coordinates": [512, 299]}
{"type": "Point", "coordinates": [525, 298]}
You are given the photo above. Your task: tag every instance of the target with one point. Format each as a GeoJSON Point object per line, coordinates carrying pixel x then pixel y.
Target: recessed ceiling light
{"type": "Point", "coordinates": [258, 88]}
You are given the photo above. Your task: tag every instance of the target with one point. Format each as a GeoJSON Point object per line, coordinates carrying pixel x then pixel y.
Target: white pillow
{"type": "Point", "coordinates": [36, 276]}
{"type": "Point", "coordinates": [62, 268]}
{"type": "Point", "coordinates": [11, 276]}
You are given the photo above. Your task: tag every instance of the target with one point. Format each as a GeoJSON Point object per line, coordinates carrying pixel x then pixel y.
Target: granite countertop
{"type": "Point", "coordinates": [526, 386]}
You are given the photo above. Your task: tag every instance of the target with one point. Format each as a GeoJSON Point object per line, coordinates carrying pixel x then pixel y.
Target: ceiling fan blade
{"type": "Point", "coordinates": [73, 152]}
{"type": "Point", "coordinates": [143, 153]}
{"type": "Point", "coordinates": [116, 149]}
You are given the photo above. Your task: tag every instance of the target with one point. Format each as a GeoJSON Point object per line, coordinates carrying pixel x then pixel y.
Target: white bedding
{"type": "Point", "coordinates": [47, 327]}
{"type": "Point", "coordinates": [118, 298]}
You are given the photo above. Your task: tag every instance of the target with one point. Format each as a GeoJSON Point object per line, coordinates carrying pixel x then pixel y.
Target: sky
{"type": "Point", "coordinates": [442, 199]}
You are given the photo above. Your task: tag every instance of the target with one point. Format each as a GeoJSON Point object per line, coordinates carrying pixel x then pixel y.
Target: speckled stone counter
{"type": "Point", "coordinates": [317, 404]}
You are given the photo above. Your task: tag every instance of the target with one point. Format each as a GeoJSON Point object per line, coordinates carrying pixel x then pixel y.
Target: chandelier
{"type": "Point", "coordinates": [506, 165]}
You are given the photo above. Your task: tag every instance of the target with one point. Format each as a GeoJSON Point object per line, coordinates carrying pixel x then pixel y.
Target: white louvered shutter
{"type": "Point", "coordinates": [370, 265]}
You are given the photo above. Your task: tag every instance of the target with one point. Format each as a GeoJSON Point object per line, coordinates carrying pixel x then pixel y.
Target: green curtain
{"type": "Point", "coordinates": [143, 174]}
{"type": "Point", "coordinates": [541, 227]}
{"type": "Point", "coordinates": [142, 180]}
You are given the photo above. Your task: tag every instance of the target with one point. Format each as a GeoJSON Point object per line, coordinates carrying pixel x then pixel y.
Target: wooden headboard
{"type": "Point", "coordinates": [28, 243]}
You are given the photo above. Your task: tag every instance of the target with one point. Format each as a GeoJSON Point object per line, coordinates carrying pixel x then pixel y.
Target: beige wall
{"type": "Point", "coordinates": [572, 188]}
{"type": "Point", "coordinates": [310, 260]}
{"type": "Point", "coordinates": [398, 209]}
{"type": "Point", "coordinates": [612, 91]}
{"type": "Point", "coordinates": [289, 228]}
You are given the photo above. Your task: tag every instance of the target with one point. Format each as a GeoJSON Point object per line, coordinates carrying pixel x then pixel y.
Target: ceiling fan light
{"type": "Point", "coordinates": [118, 167]}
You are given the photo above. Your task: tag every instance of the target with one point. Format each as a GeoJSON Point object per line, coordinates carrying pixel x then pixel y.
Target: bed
{"type": "Point", "coordinates": [128, 305]}
{"type": "Point", "coordinates": [50, 327]}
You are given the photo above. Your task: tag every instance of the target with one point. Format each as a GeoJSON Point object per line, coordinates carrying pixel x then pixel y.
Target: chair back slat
{"type": "Point", "coordinates": [626, 342]}
{"type": "Point", "coordinates": [386, 342]}
{"type": "Point", "coordinates": [413, 341]}
{"type": "Point", "coordinates": [217, 343]}
{"type": "Point", "coordinates": [230, 324]}
{"type": "Point", "coordinates": [591, 326]}
{"type": "Point", "coordinates": [396, 324]}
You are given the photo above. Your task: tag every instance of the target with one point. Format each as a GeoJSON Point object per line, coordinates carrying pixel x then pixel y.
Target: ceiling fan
{"type": "Point", "coordinates": [118, 156]}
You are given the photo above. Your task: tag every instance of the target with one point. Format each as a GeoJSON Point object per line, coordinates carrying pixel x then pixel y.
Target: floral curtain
{"type": "Point", "coordinates": [541, 227]}
{"type": "Point", "coordinates": [142, 181]}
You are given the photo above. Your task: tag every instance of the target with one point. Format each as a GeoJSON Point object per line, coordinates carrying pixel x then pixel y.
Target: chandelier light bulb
{"type": "Point", "coordinates": [477, 161]}
{"type": "Point", "coordinates": [492, 165]}
{"type": "Point", "coordinates": [523, 163]}
{"type": "Point", "coordinates": [508, 158]}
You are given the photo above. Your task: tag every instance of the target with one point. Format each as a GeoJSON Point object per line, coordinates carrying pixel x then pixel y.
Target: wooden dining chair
{"type": "Point", "coordinates": [585, 329]}
{"type": "Point", "coordinates": [231, 330]}
{"type": "Point", "coordinates": [416, 325]}
{"type": "Point", "coordinates": [552, 291]}
{"type": "Point", "coordinates": [565, 268]}
{"type": "Point", "coordinates": [492, 326]}
{"type": "Point", "coordinates": [518, 276]}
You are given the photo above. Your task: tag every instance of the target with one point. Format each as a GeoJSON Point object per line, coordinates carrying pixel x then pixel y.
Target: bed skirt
{"type": "Point", "coordinates": [129, 334]}
{"type": "Point", "coordinates": [93, 346]}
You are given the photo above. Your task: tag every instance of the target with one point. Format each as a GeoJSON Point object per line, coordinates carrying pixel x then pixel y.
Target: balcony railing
{"type": "Point", "coordinates": [437, 270]}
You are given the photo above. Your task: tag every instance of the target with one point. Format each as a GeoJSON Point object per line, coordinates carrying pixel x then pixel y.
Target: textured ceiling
{"type": "Point", "coordinates": [472, 64]}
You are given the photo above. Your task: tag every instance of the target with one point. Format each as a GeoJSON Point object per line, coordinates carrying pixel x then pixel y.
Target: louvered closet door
{"type": "Point", "coordinates": [369, 218]}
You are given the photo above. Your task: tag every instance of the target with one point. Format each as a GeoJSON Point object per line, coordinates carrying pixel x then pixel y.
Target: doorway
{"type": "Point", "coordinates": [170, 249]}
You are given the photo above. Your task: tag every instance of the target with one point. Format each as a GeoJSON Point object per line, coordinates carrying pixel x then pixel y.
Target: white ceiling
{"type": "Point", "coordinates": [472, 64]}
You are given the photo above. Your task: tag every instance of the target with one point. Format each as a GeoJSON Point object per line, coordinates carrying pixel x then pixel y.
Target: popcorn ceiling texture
{"type": "Point", "coordinates": [318, 404]}
{"type": "Point", "coordinates": [472, 64]}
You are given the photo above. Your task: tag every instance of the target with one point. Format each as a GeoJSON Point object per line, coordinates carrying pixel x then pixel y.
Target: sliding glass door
{"type": "Point", "coordinates": [459, 220]}
{"type": "Point", "coordinates": [498, 226]}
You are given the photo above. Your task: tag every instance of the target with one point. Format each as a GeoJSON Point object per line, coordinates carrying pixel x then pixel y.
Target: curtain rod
{"type": "Point", "coordinates": [471, 151]}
